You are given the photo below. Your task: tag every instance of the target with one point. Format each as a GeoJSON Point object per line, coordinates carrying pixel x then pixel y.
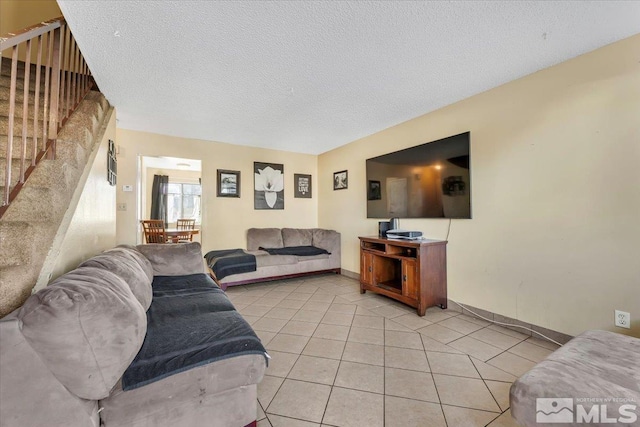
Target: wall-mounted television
{"type": "Point", "coordinates": [431, 180]}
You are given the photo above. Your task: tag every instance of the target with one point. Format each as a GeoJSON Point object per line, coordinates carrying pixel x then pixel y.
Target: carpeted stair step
{"type": "Point", "coordinates": [17, 126]}
{"type": "Point", "coordinates": [5, 93]}
{"type": "Point", "coordinates": [73, 153]}
{"type": "Point", "coordinates": [18, 112]}
{"type": "Point", "coordinates": [5, 71]}
{"type": "Point", "coordinates": [4, 109]}
{"type": "Point", "coordinates": [17, 144]}
{"type": "Point", "coordinates": [23, 273]}
{"type": "Point", "coordinates": [12, 252]}
{"type": "Point", "coordinates": [58, 174]}
{"type": "Point", "coordinates": [37, 204]}
{"type": "Point", "coordinates": [5, 78]}
{"type": "Point", "coordinates": [15, 169]}
{"type": "Point", "coordinates": [88, 120]}
{"type": "Point", "coordinates": [5, 81]}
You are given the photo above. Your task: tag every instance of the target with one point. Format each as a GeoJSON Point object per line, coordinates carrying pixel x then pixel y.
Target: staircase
{"type": "Point", "coordinates": [45, 202]}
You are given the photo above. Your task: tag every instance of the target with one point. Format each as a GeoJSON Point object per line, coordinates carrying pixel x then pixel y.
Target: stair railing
{"type": "Point", "coordinates": [50, 51]}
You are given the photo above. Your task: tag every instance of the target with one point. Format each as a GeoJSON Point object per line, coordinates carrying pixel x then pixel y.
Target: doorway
{"type": "Point", "coordinates": [182, 194]}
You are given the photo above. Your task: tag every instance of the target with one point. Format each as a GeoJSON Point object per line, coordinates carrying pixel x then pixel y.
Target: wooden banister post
{"type": "Point", "coordinates": [12, 113]}
{"type": "Point", "coordinates": [55, 92]}
{"type": "Point", "coordinates": [25, 110]}
{"type": "Point", "coordinates": [36, 104]}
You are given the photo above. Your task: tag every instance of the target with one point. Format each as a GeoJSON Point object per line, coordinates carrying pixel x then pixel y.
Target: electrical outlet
{"type": "Point", "coordinates": [122, 206]}
{"type": "Point", "coordinates": [623, 319]}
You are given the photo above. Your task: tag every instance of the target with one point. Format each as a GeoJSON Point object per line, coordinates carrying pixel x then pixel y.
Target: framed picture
{"type": "Point", "coordinates": [340, 180]}
{"type": "Point", "coordinates": [268, 184]}
{"type": "Point", "coordinates": [374, 192]}
{"type": "Point", "coordinates": [303, 186]}
{"type": "Point", "coordinates": [228, 183]}
{"type": "Point", "coordinates": [112, 164]}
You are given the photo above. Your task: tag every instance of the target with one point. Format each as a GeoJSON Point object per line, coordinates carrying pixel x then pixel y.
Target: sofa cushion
{"type": "Point", "coordinates": [122, 262]}
{"type": "Point", "coordinates": [265, 237]}
{"type": "Point", "coordinates": [137, 255]}
{"type": "Point", "coordinates": [191, 322]}
{"type": "Point", "coordinates": [87, 326]}
{"type": "Point", "coordinates": [295, 237]}
{"type": "Point", "coordinates": [326, 239]}
{"type": "Point", "coordinates": [312, 257]}
{"type": "Point", "coordinates": [174, 259]}
{"type": "Point", "coordinates": [269, 260]}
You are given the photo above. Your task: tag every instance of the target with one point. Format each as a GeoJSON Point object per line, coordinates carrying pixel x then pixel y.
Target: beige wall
{"type": "Point", "coordinates": [93, 226]}
{"type": "Point", "coordinates": [18, 14]}
{"type": "Point", "coordinates": [224, 220]}
{"type": "Point", "coordinates": [555, 238]}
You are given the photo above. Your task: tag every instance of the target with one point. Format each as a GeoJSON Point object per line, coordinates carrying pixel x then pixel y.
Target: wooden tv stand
{"type": "Point", "coordinates": [411, 271]}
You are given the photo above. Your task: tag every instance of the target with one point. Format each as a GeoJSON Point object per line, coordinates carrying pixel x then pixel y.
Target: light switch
{"type": "Point", "coordinates": [127, 188]}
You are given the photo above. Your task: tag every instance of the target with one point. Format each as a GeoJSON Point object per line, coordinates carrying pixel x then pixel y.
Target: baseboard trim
{"type": "Point", "coordinates": [554, 335]}
{"type": "Point", "coordinates": [350, 274]}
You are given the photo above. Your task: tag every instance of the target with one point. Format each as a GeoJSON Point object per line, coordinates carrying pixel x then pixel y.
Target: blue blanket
{"type": "Point", "coordinates": [190, 323]}
{"type": "Point", "coordinates": [296, 250]}
{"type": "Point", "coordinates": [226, 262]}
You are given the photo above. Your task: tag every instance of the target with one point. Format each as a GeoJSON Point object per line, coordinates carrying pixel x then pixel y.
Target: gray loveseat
{"type": "Point", "coordinates": [69, 352]}
{"type": "Point", "coordinates": [270, 267]}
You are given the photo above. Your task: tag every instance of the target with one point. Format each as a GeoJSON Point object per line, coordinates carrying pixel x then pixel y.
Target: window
{"type": "Point", "coordinates": [183, 201]}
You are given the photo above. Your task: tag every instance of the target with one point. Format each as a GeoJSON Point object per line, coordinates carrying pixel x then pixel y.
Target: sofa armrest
{"type": "Point", "coordinates": [329, 240]}
{"type": "Point", "coordinates": [29, 393]}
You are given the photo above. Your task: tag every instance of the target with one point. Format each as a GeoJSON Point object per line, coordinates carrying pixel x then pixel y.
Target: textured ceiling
{"type": "Point", "coordinates": [309, 76]}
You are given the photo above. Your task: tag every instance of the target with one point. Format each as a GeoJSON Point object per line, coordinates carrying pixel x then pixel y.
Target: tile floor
{"type": "Point", "coordinates": [340, 358]}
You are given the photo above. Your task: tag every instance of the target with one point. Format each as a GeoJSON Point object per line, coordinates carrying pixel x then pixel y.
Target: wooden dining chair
{"type": "Point", "coordinates": [186, 225]}
{"type": "Point", "coordinates": [154, 231]}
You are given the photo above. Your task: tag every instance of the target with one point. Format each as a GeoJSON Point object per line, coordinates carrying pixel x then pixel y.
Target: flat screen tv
{"type": "Point", "coordinates": [431, 180]}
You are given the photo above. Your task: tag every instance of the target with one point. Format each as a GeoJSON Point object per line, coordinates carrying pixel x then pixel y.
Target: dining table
{"type": "Point", "coordinates": [173, 233]}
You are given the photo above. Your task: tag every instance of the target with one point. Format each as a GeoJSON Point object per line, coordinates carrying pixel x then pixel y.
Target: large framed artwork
{"type": "Point", "coordinates": [268, 180]}
{"type": "Point", "coordinates": [302, 184]}
{"type": "Point", "coordinates": [228, 183]}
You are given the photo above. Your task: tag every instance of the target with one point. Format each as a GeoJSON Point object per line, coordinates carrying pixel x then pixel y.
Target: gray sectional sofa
{"type": "Point", "coordinates": [107, 344]}
{"type": "Point", "coordinates": [270, 267]}
{"type": "Point", "coordinates": [593, 379]}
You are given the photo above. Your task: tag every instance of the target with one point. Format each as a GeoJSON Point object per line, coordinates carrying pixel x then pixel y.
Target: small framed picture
{"type": "Point", "coordinates": [302, 185]}
{"type": "Point", "coordinates": [340, 180]}
{"type": "Point", "coordinates": [374, 192]}
{"type": "Point", "coordinates": [228, 183]}
{"type": "Point", "coordinates": [112, 164]}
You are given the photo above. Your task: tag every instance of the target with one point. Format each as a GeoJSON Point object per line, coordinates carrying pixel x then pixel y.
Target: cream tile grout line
{"type": "Point", "coordinates": [300, 354]}
{"type": "Point", "coordinates": [384, 370]}
{"type": "Point", "coordinates": [434, 380]}
{"type": "Point", "coordinates": [484, 381]}
{"type": "Point", "coordinates": [384, 355]}
{"type": "Point", "coordinates": [297, 358]}
{"type": "Point", "coordinates": [324, 413]}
